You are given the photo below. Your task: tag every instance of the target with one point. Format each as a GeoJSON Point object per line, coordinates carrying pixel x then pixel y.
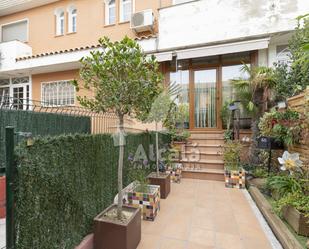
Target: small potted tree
{"type": "Point", "coordinates": [159, 111]}
{"type": "Point", "coordinates": [126, 82]}
{"type": "Point", "coordinates": [234, 174]}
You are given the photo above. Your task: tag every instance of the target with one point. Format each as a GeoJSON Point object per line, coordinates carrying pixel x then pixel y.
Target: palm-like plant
{"type": "Point", "coordinates": [255, 94]}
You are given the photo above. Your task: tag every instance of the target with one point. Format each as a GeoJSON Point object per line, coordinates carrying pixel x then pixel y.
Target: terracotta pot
{"type": "Point", "coordinates": [2, 197]}
{"type": "Point", "coordinates": [163, 180]}
{"type": "Point", "coordinates": [116, 235]}
{"type": "Point", "coordinates": [296, 220]}
{"type": "Point", "coordinates": [148, 202]}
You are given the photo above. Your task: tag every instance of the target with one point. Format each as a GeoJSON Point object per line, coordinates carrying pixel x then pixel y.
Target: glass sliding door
{"type": "Point", "coordinates": [205, 98]}
{"type": "Point", "coordinates": [181, 79]}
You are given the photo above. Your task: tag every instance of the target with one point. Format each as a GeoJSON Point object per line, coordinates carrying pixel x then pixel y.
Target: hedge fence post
{"type": "Point", "coordinates": [10, 171]}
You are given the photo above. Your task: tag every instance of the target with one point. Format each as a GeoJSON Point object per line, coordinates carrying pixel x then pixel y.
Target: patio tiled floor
{"type": "Point", "coordinates": [204, 215]}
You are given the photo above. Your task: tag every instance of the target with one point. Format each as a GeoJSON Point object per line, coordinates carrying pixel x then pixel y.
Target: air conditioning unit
{"type": "Point", "coordinates": [142, 21]}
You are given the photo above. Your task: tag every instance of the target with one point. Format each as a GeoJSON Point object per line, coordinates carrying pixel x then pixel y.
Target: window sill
{"type": "Point", "coordinates": [58, 36]}
{"type": "Point", "coordinates": [71, 33]}
{"type": "Point", "coordinates": [125, 22]}
{"type": "Point", "coordinates": [109, 25]}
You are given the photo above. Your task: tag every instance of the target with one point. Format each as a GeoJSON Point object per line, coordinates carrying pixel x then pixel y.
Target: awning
{"type": "Point", "coordinates": [223, 49]}
{"type": "Point", "coordinates": [167, 56]}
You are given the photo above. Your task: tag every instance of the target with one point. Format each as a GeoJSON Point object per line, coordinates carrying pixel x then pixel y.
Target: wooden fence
{"type": "Point", "coordinates": [300, 103]}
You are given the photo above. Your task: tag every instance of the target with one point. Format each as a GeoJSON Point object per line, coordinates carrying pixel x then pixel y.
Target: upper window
{"type": "Point", "coordinates": [58, 93]}
{"type": "Point", "coordinates": [125, 10]}
{"type": "Point", "coordinates": [72, 14]}
{"type": "Point", "coordinates": [59, 22]}
{"type": "Point", "coordinates": [15, 31]}
{"type": "Point", "coordinates": [110, 12]}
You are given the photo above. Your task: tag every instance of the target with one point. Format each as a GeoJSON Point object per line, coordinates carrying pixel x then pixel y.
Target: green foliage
{"type": "Point", "coordinates": [228, 135]}
{"type": "Point", "coordinates": [124, 79]}
{"type": "Point", "coordinates": [260, 172]}
{"type": "Point", "coordinates": [255, 93]}
{"type": "Point", "coordinates": [296, 199]}
{"type": "Point", "coordinates": [294, 79]}
{"type": "Point", "coordinates": [285, 126]}
{"type": "Point", "coordinates": [231, 154]}
{"type": "Point", "coordinates": [284, 184]}
{"type": "Point", "coordinates": [180, 136]}
{"type": "Point", "coordinates": [40, 124]}
{"type": "Point", "coordinates": [64, 182]}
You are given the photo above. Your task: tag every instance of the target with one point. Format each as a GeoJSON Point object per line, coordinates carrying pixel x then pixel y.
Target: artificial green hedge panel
{"type": "Point", "coordinates": [40, 124]}
{"type": "Point", "coordinates": [64, 182]}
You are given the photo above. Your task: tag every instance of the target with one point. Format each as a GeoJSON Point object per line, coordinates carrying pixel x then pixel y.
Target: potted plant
{"type": "Point", "coordinates": [234, 174]}
{"type": "Point", "coordinates": [144, 196]}
{"type": "Point", "coordinates": [124, 81]}
{"type": "Point", "coordinates": [159, 112]}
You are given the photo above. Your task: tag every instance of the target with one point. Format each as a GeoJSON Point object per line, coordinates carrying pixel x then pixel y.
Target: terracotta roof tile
{"type": "Point", "coordinates": [144, 37]}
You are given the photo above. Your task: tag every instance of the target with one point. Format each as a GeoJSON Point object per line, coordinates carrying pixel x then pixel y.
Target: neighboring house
{"type": "Point", "coordinates": [200, 44]}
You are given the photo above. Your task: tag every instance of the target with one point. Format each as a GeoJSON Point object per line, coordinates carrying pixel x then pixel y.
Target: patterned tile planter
{"type": "Point", "coordinates": [149, 202]}
{"type": "Point", "coordinates": [175, 175]}
{"type": "Point", "coordinates": [235, 178]}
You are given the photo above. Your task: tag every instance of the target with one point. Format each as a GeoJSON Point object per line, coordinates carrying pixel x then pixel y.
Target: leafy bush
{"type": "Point", "coordinates": [285, 126]}
{"type": "Point", "coordinates": [231, 155]}
{"type": "Point", "coordinates": [293, 79]}
{"type": "Point", "coordinates": [284, 185]}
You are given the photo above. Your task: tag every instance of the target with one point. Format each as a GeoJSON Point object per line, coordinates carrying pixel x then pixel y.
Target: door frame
{"type": "Point", "coordinates": [192, 98]}
{"type": "Point", "coordinates": [166, 69]}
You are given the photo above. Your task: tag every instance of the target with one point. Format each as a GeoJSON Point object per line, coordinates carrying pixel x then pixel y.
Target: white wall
{"type": "Point", "coordinates": [208, 21]}
{"type": "Point", "coordinates": [9, 51]}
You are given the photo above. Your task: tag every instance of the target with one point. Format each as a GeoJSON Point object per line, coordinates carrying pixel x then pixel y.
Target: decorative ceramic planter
{"type": "Point", "coordinates": [175, 174]}
{"type": "Point", "coordinates": [235, 178]}
{"type": "Point", "coordinates": [2, 197]}
{"type": "Point", "coordinates": [148, 202]}
{"type": "Point", "coordinates": [112, 234]}
{"type": "Point", "coordinates": [296, 220]}
{"type": "Point", "coordinates": [163, 180]}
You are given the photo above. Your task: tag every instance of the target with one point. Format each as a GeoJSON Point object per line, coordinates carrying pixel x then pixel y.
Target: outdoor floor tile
{"type": "Point", "coordinates": [149, 242]}
{"type": "Point", "coordinates": [202, 236]}
{"type": "Point", "coordinates": [228, 241]}
{"type": "Point", "coordinates": [172, 244]}
{"type": "Point", "coordinates": [204, 215]}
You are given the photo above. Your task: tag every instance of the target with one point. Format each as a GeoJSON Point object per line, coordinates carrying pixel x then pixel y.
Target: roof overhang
{"type": "Point", "coordinates": [8, 7]}
{"type": "Point", "coordinates": [228, 48]}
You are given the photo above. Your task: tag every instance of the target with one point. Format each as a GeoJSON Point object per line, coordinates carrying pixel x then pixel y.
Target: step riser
{"type": "Point", "coordinates": [202, 166]}
{"type": "Point", "coordinates": [203, 176]}
{"type": "Point", "coordinates": [202, 149]}
{"type": "Point", "coordinates": [206, 135]}
{"type": "Point", "coordinates": [198, 157]}
{"type": "Point", "coordinates": [198, 142]}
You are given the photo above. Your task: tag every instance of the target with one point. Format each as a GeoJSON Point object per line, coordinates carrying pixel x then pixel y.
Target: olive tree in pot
{"type": "Point", "coordinates": [159, 111]}
{"type": "Point", "coordinates": [124, 81]}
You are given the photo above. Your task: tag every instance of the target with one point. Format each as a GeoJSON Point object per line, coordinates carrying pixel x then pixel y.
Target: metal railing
{"type": "Point", "coordinates": [100, 122]}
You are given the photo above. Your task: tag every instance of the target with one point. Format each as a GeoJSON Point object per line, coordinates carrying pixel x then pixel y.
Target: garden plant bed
{"type": "Point", "coordinates": [282, 232]}
{"type": "Point", "coordinates": [163, 180]}
{"type": "Point", "coordinates": [148, 202]}
{"type": "Point", "coordinates": [110, 233]}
